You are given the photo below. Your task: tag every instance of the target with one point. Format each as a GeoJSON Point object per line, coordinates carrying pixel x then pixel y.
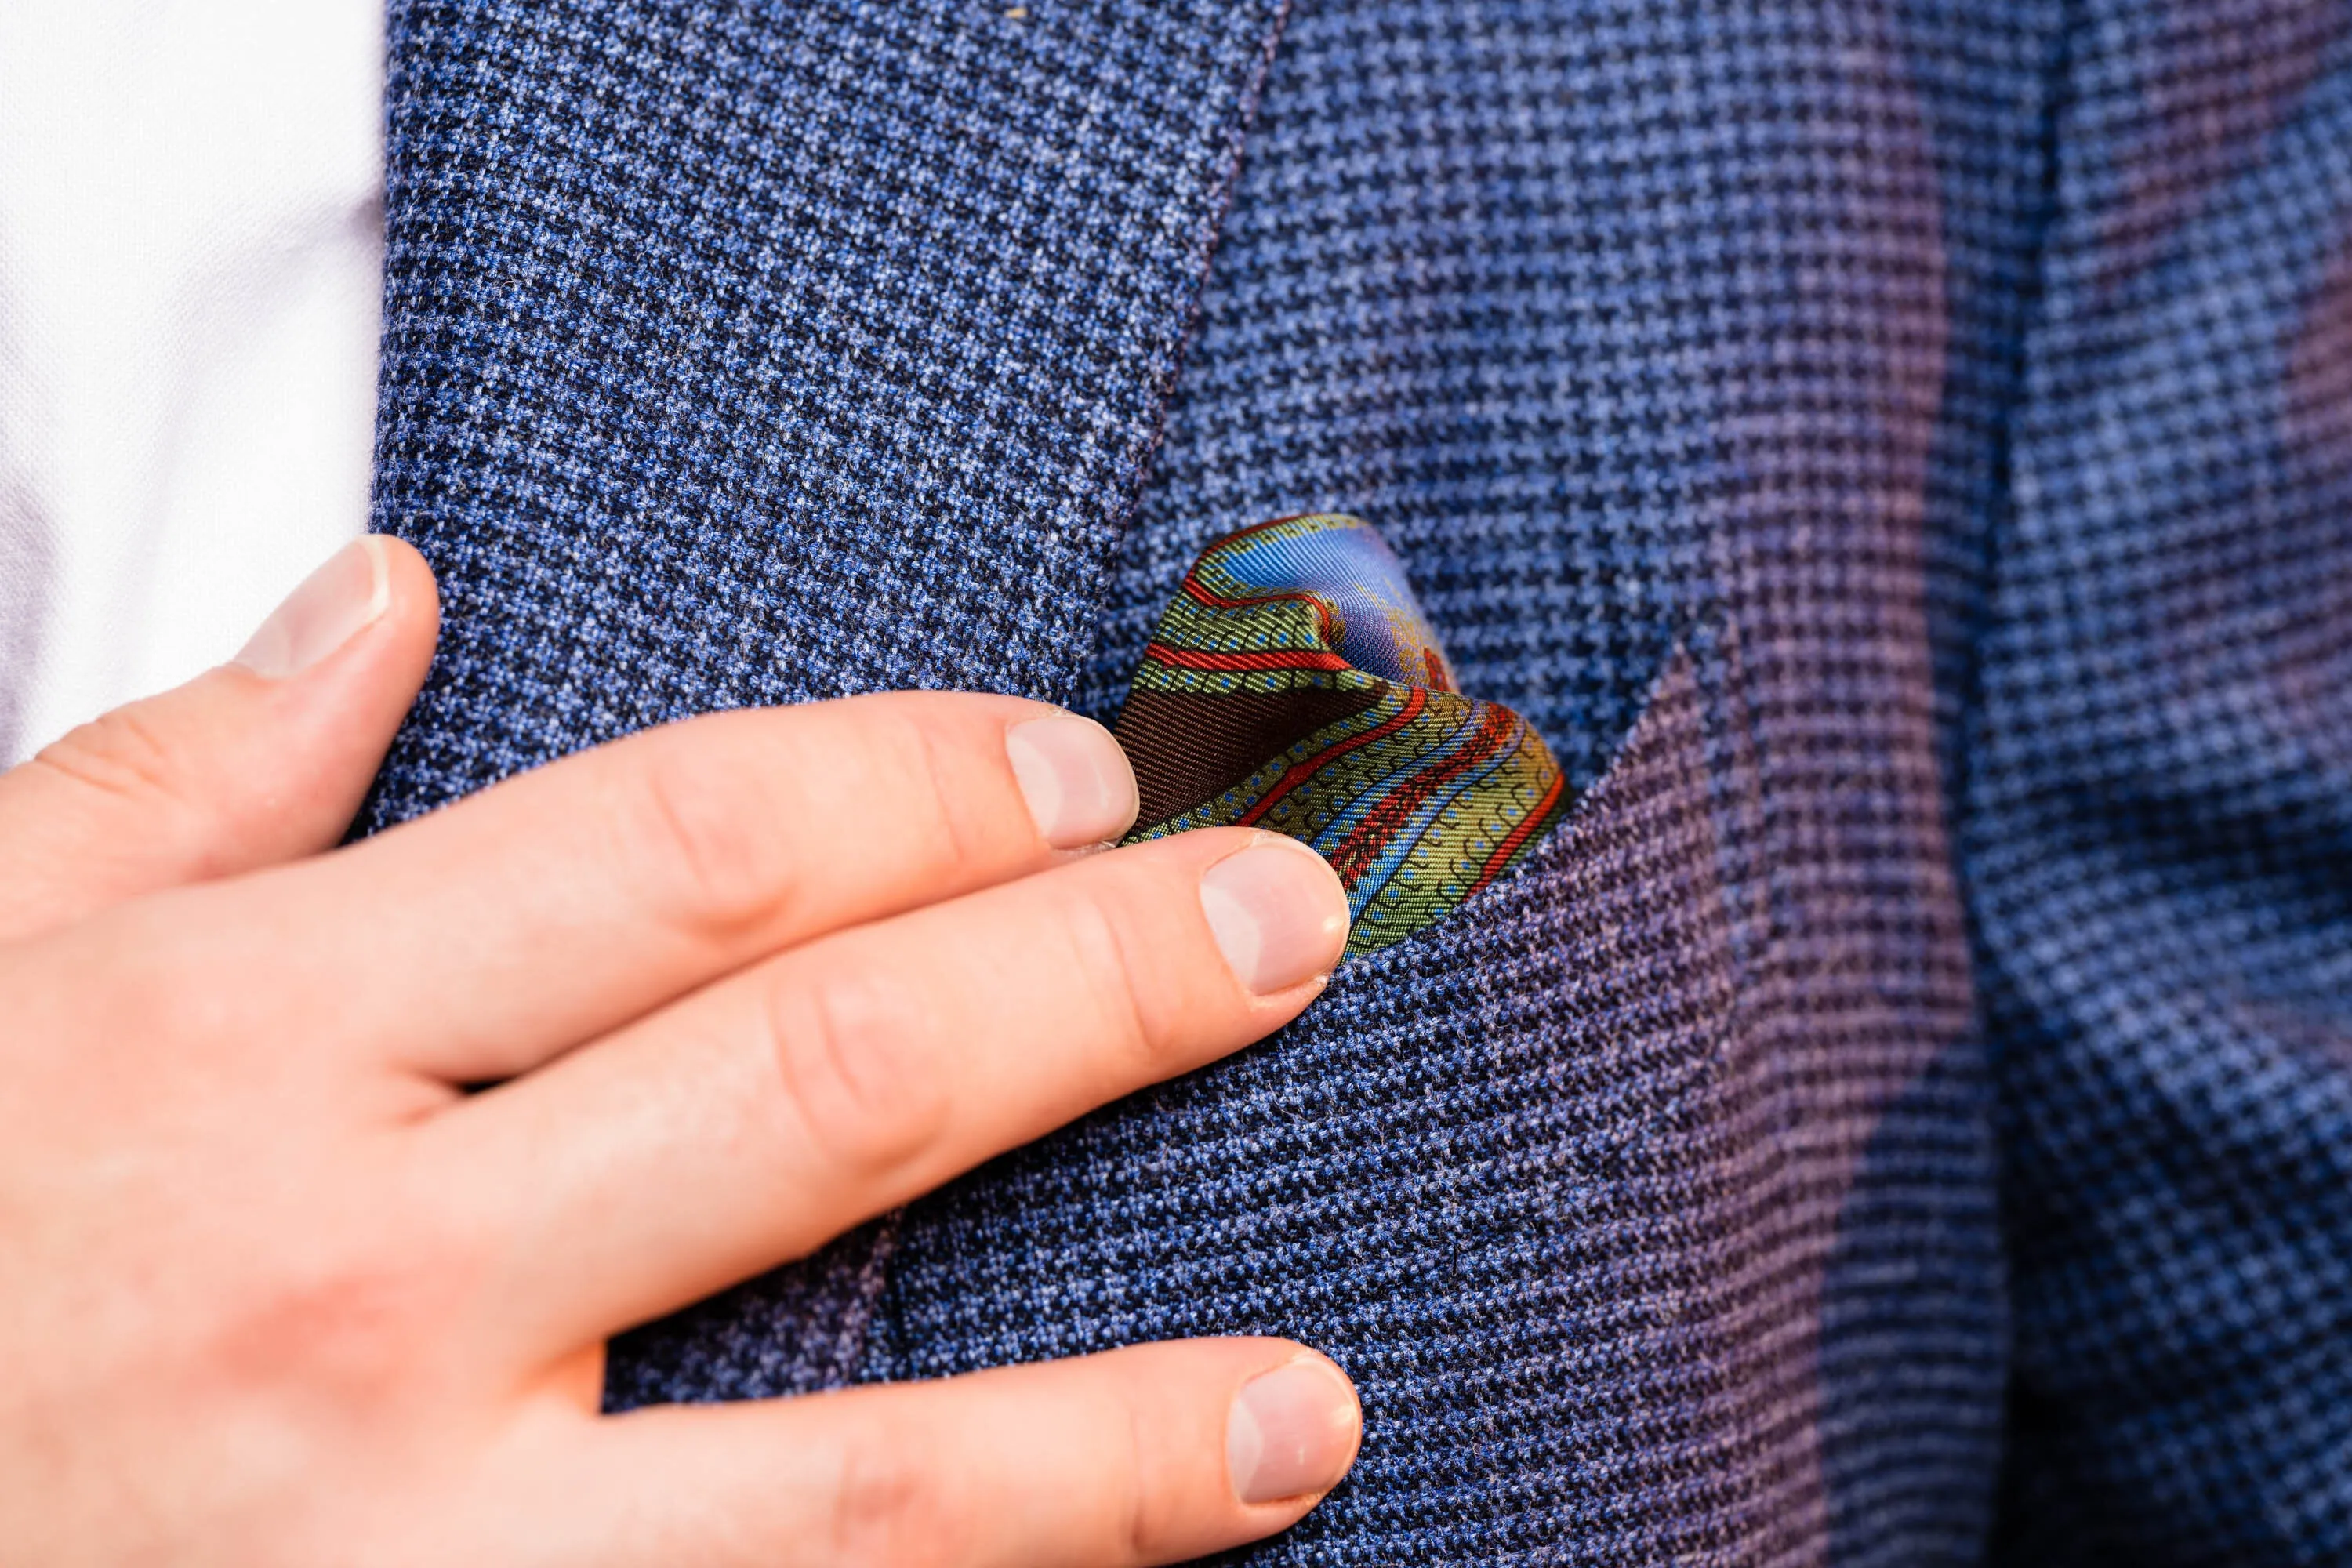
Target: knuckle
{"type": "Point", "coordinates": [892, 1503]}
{"type": "Point", "coordinates": [851, 1046]}
{"type": "Point", "coordinates": [1148, 1513]}
{"type": "Point", "coordinates": [700, 830]}
{"type": "Point", "coordinates": [1118, 980]}
{"type": "Point", "coordinates": [360, 1318]}
{"type": "Point", "coordinates": [120, 754]}
{"type": "Point", "coordinates": [942, 811]}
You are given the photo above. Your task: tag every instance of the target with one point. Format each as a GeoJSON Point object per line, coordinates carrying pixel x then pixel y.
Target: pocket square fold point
{"type": "Point", "coordinates": [1294, 685]}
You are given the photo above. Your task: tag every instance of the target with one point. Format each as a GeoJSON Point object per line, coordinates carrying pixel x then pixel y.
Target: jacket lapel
{"type": "Point", "coordinates": [754, 353]}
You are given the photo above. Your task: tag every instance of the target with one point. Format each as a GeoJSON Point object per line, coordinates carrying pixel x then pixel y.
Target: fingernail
{"type": "Point", "coordinates": [1076, 779]}
{"type": "Point", "coordinates": [1277, 912]}
{"type": "Point", "coordinates": [1292, 1432]}
{"type": "Point", "coordinates": [332, 604]}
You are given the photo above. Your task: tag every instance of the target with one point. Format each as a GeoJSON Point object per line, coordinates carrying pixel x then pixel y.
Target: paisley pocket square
{"type": "Point", "coordinates": [1295, 686]}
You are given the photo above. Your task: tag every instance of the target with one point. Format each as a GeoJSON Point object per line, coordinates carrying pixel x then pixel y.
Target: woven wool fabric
{"type": "Point", "coordinates": [1295, 686]}
{"type": "Point", "coordinates": [755, 352]}
{"type": "Point", "coordinates": [740, 343]}
{"type": "Point", "coordinates": [2158, 823]}
{"type": "Point", "coordinates": [1895, 453]}
{"type": "Point", "coordinates": [1616, 362]}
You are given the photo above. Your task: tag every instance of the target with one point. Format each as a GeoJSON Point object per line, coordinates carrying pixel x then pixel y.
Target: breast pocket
{"type": "Point", "coordinates": [1519, 1173]}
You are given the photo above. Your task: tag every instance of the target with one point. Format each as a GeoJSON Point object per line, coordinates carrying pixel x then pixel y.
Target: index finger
{"type": "Point", "coordinates": [479, 943]}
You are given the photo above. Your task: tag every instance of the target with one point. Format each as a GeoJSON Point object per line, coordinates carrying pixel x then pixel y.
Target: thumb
{"type": "Point", "coordinates": [261, 759]}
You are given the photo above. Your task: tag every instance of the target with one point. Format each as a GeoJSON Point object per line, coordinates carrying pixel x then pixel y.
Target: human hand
{"type": "Point", "coordinates": [275, 1289]}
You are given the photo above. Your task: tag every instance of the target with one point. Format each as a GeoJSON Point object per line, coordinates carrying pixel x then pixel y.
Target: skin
{"type": "Point", "coordinates": [275, 1289]}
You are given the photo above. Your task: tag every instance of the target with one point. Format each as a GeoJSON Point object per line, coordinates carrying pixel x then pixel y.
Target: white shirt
{"type": "Point", "coordinates": [191, 257]}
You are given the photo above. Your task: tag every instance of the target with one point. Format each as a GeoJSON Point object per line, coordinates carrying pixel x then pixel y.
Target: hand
{"type": "Point", "coordinates": [276, 1289]}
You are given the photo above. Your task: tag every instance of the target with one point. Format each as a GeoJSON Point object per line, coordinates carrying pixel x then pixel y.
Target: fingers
{"type": "Point", "coordinates": [1158, 1454]}
{"type": "Point", "coordinates": [753, 1121]}
{"type": "Point", "coordinates": [568, 900]}
{"type": "Point", "coordinates": [258, 762]}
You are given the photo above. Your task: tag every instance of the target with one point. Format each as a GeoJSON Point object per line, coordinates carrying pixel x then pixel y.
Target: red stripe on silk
{"type": "Point", "coordinates": [1300, 773]}
{"type": "Point", "coordinates": [1273, 658]}
{"type": "Point", "coordinates": [1386, 820]}
{"type": "Point", "coordinates": [1324, 626]}
{"type": "Point", "coordinates": [1517, 836]}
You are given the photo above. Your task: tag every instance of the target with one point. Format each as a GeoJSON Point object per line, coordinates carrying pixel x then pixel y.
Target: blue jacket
{"type": "Point", "coordinates": [1899, 453]}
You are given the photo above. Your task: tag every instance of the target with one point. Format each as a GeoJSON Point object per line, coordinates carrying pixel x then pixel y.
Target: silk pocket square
{"type": "Point", "coordinates": [1294, 685]}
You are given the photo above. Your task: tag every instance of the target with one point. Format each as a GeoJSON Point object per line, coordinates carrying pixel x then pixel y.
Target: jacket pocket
{"type": "Point", "coordinates": [1519, 1175]}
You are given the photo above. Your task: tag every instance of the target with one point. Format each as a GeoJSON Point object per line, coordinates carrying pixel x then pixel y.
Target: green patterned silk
{"type": "Point", "coordinates": [1294, 685]}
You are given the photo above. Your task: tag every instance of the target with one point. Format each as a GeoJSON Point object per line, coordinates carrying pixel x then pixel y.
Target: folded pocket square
{"type": "Point", "coordinates": [1293, 686]}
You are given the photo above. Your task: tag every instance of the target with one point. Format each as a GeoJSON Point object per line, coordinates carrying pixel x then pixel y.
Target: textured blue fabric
{"type": "Point", "coordinates": [2159, 804]}
{"type": "Point", "coordinates": [727, 345]}
{"type": "Point", "coordinates": [1898, 452]}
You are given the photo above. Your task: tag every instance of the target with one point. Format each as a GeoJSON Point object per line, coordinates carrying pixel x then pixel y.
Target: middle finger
{"type": "Point", "coordinates": [753, 1121]}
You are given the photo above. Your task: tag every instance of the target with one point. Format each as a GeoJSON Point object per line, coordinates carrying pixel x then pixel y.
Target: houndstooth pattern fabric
{"type": "Point", "coordinates": [1442, 1185]}
{"type": "Point", "coordinates": [739, 340]}
{"type": "Point", "coordinates": [1575, 475]}
{"type": "Point", "coordinates": [2160, 806]}
{"type": "Point", "coordinates": [1898, 454]}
